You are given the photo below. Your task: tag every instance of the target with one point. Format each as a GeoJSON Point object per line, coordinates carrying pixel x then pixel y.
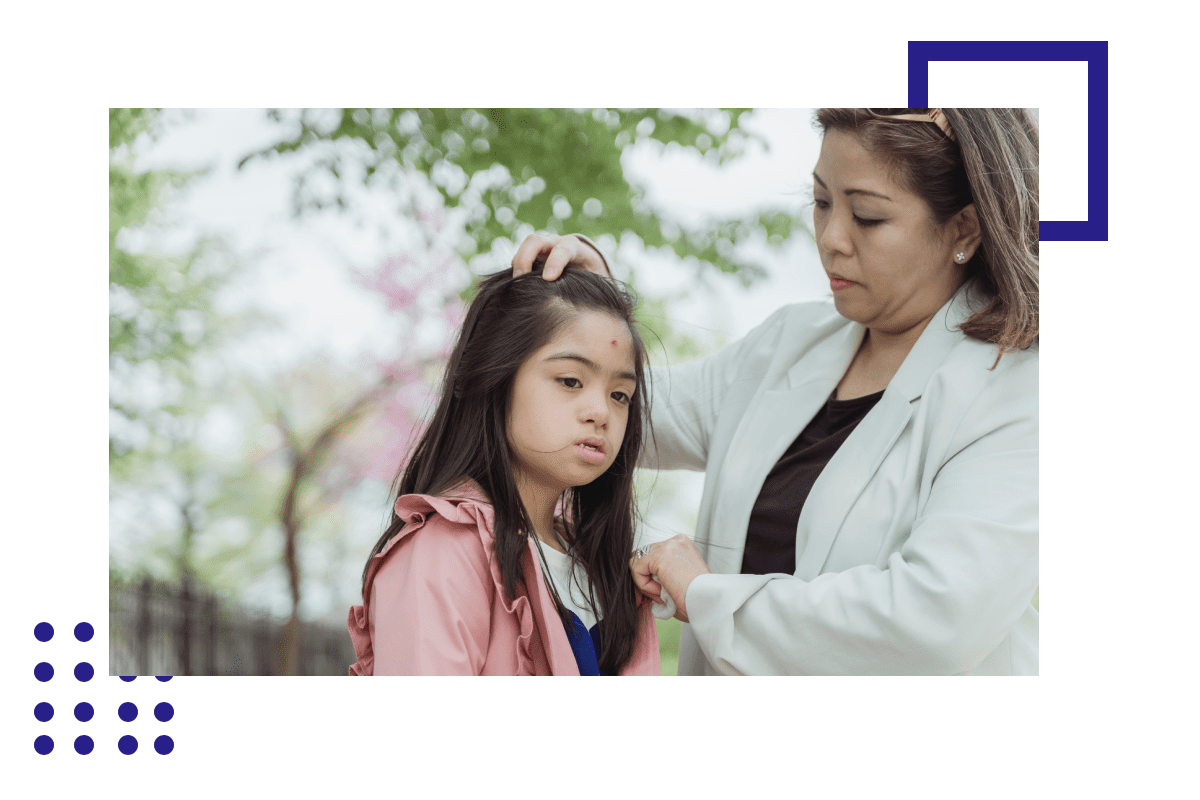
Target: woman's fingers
{"type": "Point", "coordinates": [557, 253]}
{"type": "Point", "coordinates": [535, 247]}
{"type": "Point", "coordinates": [564, 253]}
{"type": "Point", "coordinates": [675, 563]}
{"type": "Point", "coordinates": [644, 580]}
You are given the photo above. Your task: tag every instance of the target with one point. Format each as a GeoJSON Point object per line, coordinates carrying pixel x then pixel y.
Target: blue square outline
{"type": "Point", "coordinates": [1095, 227]}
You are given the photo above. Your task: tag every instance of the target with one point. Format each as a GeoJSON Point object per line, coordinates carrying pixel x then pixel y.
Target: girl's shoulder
{"type": "Point", "coordinates": [463, 508]}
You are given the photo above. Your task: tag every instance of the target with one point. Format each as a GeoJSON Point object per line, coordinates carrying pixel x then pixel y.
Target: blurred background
{"type": "Point", "coordinates": [285, 286]}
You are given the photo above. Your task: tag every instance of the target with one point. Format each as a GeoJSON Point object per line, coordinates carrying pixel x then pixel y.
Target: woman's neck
{"type": "Point", "coordinates": [877, 361]}
{"type": "Point", "coordinates": [893, 346]}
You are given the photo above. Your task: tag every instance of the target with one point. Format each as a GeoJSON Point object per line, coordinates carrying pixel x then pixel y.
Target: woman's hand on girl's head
{"type": "Point", "coordinates": [558, 252]}
{"type": "Point", "coordinates": [675, 563]}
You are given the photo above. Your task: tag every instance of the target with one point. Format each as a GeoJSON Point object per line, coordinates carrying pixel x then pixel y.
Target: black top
{"type": "Point", "coordinates": [771, 539]}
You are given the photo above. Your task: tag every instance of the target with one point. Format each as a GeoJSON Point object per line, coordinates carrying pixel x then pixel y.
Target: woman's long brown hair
{"type": "Point", "coordinates": [991, 162]}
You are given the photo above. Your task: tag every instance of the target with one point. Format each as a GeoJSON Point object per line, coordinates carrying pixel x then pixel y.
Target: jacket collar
{"type": "Point", "coordinates": [932, 347]}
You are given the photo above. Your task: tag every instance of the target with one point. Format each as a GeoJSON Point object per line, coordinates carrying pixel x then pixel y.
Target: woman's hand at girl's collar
{"type": "Point", "coordinates": [557, 252]}
{"type": "Point", "coordinates": [675, 563]}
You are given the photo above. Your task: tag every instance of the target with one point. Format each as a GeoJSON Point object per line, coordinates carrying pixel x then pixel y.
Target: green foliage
{"type": "Point", "coordinates": [556, 169]}
{"type": "Point", "coordinates": [661, 337]}
{"type": "Point", "coordinates": [160, 304]}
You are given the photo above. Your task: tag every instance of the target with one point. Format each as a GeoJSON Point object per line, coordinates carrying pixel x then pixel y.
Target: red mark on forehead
{"type": "Point", "coordinates": [614, 342]}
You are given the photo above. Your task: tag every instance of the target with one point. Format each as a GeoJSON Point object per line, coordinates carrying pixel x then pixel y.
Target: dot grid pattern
{"type": "Point", "coordinates": [82, 672]}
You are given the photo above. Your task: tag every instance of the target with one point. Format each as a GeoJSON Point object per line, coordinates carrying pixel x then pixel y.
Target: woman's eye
{"type": "Point", "coordinates": [570, 383]}
{"type": "Point", "coordinates": [821, 204]}
{"type": "Point", "coordinates": [621, 398]}
{"type": "Point", "coordinates": [866, 223]}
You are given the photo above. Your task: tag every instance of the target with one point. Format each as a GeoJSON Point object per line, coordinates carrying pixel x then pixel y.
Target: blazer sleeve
{"type": "Point", "coordinates": [686, 401]}
{"type": "Point", "coordinates": [432, 603]}
{"type": "Point", "coordinates": [950, 595]}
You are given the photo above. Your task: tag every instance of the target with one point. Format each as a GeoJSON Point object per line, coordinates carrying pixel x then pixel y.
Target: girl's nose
{"type": "Point", "coordinates": [595, 410]}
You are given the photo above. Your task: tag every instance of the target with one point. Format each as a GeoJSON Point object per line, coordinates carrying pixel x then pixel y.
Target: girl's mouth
{"type": "Point", "coordinates": [590, 453]}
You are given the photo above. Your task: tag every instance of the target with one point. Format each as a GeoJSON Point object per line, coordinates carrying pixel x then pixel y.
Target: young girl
{"type": "Point", "coordinates": [541, 404]}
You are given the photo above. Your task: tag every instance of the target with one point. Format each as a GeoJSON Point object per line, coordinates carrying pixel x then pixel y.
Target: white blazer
{"type": "Point", "coordinates": [917, 549]}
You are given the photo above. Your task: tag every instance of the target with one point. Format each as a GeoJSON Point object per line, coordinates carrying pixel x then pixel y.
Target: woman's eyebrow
{"type": "Point", "coordinates": [587, 362]}
{"type": "Point", "coordinates": [817, 178]}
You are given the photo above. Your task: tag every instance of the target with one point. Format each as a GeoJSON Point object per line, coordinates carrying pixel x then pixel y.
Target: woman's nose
{"type": "Point", "coordinates": [832, 237]}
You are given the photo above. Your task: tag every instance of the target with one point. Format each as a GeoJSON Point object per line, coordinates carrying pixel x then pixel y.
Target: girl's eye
{"type": "Point", "coordinates": [621, 398]}
{"type": "Point", "coordinates": [821, 204]}
{"type": "Point", "coordinates": [570, 383]}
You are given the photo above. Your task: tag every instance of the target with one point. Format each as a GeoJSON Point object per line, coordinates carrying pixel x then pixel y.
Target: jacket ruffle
{"type": "Point", "coordinates": [360, 635]}
{"type": "Point", "coordinates": [468, 508]}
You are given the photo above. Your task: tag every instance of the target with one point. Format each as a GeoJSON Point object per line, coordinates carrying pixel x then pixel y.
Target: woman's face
{"type": "Point", "coordinates": [570, 403]}
{"type": "Point", "coordinates": [890, 266]}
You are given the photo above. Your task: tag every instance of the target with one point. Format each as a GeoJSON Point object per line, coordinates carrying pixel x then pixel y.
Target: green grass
{"type": "Point", "coordinates": [668, 645]}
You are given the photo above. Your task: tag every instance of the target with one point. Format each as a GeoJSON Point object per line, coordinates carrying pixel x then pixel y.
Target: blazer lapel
{"type": "Point", "coordinates": [771, 422]}
{"type": "Point", "coordinates": [857, 460]}
{"type": "Point", "coordinates": [843, 479]}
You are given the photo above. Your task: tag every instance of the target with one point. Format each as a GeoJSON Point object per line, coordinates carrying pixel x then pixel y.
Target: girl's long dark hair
{"type": "Point", "coordinates": [510, 319]}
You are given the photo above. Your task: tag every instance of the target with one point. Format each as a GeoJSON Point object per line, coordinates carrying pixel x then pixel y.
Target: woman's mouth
{"type": "Point", "coordinates": [839, 283]}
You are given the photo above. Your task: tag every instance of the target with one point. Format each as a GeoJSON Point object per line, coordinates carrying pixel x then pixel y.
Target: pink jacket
{"type": "Point", "coordinates": [442, 605]}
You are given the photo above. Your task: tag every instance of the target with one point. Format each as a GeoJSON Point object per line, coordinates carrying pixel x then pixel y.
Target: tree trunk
{"type": "Point", "coordinates": [289, 646]}
{"type": "Point", "coordinates": [304, 463]}
{"type": "Point", "coordinates": [185, 626]}
{"type": "Point", "coordinates": [145, 599]}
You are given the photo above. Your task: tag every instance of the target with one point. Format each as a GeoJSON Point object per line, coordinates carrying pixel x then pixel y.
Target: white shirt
{"type": "Point", "coordinates": [573, 591]}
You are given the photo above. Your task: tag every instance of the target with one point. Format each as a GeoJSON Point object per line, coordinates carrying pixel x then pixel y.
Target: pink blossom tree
{"type": "Point", "coordinates": [369, 432]}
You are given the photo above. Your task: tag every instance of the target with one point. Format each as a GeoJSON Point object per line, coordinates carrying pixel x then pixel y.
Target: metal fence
{"type": "Point", "coordinates": [165, 630]}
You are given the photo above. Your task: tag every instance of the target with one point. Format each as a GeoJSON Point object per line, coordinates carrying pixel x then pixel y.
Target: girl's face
{"type": "Point", "coordinates": [570, 403]}
{"type": "Point", "coordinates": [890, 266]}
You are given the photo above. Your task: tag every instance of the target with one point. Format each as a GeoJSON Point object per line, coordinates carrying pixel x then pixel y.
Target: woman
{"type": "Point", "coordinates": [871, 490]}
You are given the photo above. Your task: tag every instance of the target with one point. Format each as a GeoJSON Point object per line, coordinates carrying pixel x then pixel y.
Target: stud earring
{"type": "Point", "coordinates": [960, 257]}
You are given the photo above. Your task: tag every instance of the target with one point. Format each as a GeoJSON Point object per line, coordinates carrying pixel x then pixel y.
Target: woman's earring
{"type": "Point", "coordinates": [960, 257]}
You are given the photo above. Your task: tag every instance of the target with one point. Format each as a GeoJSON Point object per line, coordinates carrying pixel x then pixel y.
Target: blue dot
{"type": "Point", "coordinates": [44, 632]}
{"type": "Point", "coordinates": [164, 745]}
{"type": "Point", "coordinates": [84, 744]}
{"type": "Point", "coordinates": [127, 745]}
{"type": "Point", "coordinates": [43, 744]}
{"type": "Point", "coordinates": [84, 711]}
{"type": "Point", "coordinates": [163, 712]}
{"type": "Point", "coordinates": [84, 632]}
{"type": "Point", "coordinates": [44, 711]}
{"type": "Point", "coordinates": [163, 678]}
{"type": "Point", "coordinates": [128, 678]}
{"type": "Point", "coordinates": [127, 712]}
{"type": "Point", "coordinates": [43, 672]}
{"type": "Point", "coordinates": [84, 671]}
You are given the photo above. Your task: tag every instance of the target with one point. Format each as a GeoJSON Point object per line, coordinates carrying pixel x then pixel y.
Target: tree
{"type": "Point", "coordinates": [330, 452]}
{"type": "Point", "coordinates": [160, 310]}
{"type": "Point", "coordinates": [509, 169]}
